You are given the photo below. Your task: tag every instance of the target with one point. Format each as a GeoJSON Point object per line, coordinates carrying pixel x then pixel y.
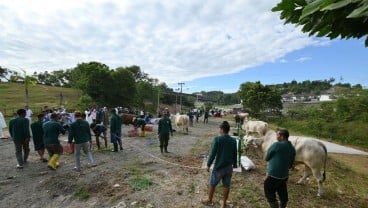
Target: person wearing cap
{"type": "Point", "coordinates": [19, 131]}
{"type": "Point", "coordinates": [115, 130]}
{"type": "Point", "coordinates": [164, 131]}
{"type": "Point", "coordinates": [280, 157]}
{"type": "Point", "coordinates": [51, 131]}
{"type": "Point", "coordinates": [223, 149]}
{"type": "Point", "coordinates": [80, 133]}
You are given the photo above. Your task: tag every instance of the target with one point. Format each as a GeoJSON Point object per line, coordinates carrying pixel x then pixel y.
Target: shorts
{"type": "Point", "coordinates": [54, 149]}
{"type": "Point", "coordinates": [223, 174]}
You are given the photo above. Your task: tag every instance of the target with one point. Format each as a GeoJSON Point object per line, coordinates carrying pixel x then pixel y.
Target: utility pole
{"type": "Point", "coordinates": [181, 92]}
{"type": "Point", "coordinates": [176, 99]}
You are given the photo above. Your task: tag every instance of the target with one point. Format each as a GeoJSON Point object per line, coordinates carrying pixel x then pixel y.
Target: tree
{"type": "Point", "coordinates": [27, 80]}
{"type": "Point", "coordinates": [330, 18]}
{"type": "Point", "coordinates": [3, 73]}
{"type": "Point", "coordinates": [146, 94]}
{"type": "Point", "coordinates": [124, 90]}
{"type": "Point", "coordinates": [93, 79]}
{"type": "Point", "coordinates": [258, 98]}
{"type": "Point", "coordinates": [137, 73]}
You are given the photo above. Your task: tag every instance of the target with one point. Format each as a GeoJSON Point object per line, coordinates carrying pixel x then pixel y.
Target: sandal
{"type": "Point", "coordinates": [206, 202]}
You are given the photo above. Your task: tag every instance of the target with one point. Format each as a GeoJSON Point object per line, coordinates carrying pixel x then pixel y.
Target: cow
{"type": "Point", "coordinates": [251, 127]}
{"type": "Point", "coordinates": [182, 121]}
{"type": "Point", "coordinates": [128, 119]}
{"type": "Point", "coordinates": [309, 152]}
{"type": "Point", "coordinates": [239, 117]}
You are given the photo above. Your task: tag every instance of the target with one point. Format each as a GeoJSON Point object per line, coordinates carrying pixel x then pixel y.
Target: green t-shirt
{"type": "Point", "coordinates": [223, 148]}
{"type": "Point", "coordinates": [51, 131]}
{"type": "Point", "coordinates": [280, 157]}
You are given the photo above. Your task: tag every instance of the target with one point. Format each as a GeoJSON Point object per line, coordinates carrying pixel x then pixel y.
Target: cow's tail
{"type": "Point", "coordinates": [324, 168]}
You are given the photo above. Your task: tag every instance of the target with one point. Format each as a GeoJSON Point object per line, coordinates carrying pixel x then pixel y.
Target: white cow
{"type": "Point", "coordinates": [252, 127]}
{"type": "Point", "coordinates": [181, 121]}
{"type": "Point", "coordinates": [310, 152]}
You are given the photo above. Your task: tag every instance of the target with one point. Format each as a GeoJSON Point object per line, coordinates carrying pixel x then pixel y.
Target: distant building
{"type": "Point", "coordinates": [323, 98]}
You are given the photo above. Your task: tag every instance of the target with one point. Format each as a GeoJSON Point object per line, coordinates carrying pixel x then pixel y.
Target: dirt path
{"type": "Point", "coordinates": [175, 178]}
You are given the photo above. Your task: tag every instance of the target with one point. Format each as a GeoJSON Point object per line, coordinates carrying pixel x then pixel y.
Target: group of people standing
{"type": "Point", "coordinates": [45, 136]}
{"type": "Point", "coordinates": [223, 153]}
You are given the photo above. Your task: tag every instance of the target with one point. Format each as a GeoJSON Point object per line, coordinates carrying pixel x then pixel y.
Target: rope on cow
{"type": "Point", "coordinates": [166, 161]}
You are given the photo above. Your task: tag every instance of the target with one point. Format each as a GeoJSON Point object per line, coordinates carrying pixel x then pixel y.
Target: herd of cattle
{"type": "Point", "coordinates": [180, 121]}
{"type": "Point", "coordinates": [309, 152]}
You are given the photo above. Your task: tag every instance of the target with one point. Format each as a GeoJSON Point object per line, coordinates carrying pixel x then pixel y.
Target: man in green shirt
{"type": "Point", "coordinates": [164, 131]}
{"type": "Point", "coordinates": [99, 129]}
{"type": "Point", "coordinates": [115, 130]}
{"type": "Point", "coordinates": [19, 131]}
{"type": "Point", "coordinates": [80, 133]}
{"type": "Point", "coordinates": [280, 157]}
{"type": "Point", "coordinates": [37, 135]}
{"type": "Point", "coordinates": [223, 148]}
{"type": "Point", "coordinates": [51, 131]}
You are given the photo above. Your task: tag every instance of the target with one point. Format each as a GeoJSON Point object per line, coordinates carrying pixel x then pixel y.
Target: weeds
{"type": "Point", "coordinates": [82, 194]}
{"type": "Point", "coordinates": [141, 183]}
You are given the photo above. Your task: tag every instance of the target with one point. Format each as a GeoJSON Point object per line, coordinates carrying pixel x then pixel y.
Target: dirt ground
{"type": "Point", "coordinates": [175, 179]}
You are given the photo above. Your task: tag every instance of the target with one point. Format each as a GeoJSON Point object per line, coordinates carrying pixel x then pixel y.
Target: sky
{"type": "Point", "coordinates": [207, 45]}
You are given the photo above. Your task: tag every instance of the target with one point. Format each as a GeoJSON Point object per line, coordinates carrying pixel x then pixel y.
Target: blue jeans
{"type": "Point", "coordinates": [86, 150]}
{"type": "Point", "coordinates": [223, 174]}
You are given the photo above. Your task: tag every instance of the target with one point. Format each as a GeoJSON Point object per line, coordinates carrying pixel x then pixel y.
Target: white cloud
{"type": "Point", "coordinates": [303, 59]}
{"type": "Point", "coordinates": [170, 40]}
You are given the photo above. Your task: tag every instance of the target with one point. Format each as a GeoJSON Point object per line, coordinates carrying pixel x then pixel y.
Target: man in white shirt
{"type": "Point", "coordinates": [29, 114]}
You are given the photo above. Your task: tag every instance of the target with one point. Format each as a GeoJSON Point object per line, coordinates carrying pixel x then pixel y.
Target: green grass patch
{"type": "Point", "coordinates": [140, 183]}
{"type": "Point", "coordinates": [82, 194]}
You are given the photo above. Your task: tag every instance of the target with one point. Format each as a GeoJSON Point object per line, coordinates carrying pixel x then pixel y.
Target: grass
{"type": "Point", "coordinates": [13, 97]}
{"type": "Point", "coordinates": [137, 179]}
{"type": "Point", "coordinates": [82, 194]}
{"type": "Point", "coordinates": [141, 182]}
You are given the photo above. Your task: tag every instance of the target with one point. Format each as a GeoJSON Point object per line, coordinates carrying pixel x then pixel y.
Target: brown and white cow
{"type": "Point", "coordinates": [309, 152]}
{"type": "Point", "coordinates": [128, 118]}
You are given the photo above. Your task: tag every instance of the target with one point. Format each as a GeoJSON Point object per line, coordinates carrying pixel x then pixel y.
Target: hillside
{"type": "Point", "coordinates": [13, 97]}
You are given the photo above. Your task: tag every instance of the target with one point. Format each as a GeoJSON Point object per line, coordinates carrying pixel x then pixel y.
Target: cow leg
{"type": "Point", "coordinates": [307, 173]}
{"type": "Point", "coordinates": [317, 174]}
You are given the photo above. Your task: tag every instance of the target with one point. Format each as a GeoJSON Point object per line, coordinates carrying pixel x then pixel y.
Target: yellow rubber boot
{"type": "Point", "coordinates": [143, 134]}
{"type": "Point", "coordinates": [56, 160]}
{"type": "Point", "coordinates": [51, 163]}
